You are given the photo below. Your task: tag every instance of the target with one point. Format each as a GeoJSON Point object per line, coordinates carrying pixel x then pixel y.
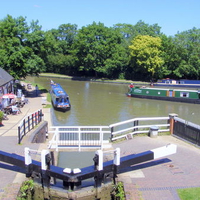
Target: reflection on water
{"type": "Point", "coordinates": [96, 103]}
{"type": "Point", "coordinates": [77, 160]}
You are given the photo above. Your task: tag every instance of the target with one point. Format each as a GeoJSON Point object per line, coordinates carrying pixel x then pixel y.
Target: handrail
{"type": "Point", "coordinates": [134, 127]}
{"type": "Point", "coordinates": [85, 135]}
{"type": "Point", "coordinates": [78, 136]}
{"type": "Point", "coordinates": [28, 123]}
{"type": "Point", "coordinates": [138, 119]}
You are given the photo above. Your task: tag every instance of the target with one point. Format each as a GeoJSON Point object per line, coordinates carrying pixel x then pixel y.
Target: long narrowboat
{"type": "Point", "coordinates": [59, 98]}
{"type": "Point", "coordinates": [178, 83]}
{"type": "Point", "coordinates": [178, 95]}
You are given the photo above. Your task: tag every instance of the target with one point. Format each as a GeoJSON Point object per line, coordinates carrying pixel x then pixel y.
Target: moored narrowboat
{"type": "Point", "coordinates": [178, 83]}
{"type": "Point", "coordinates": [178, 95]}
{"type": "Point", "coordinates": [59, 98]}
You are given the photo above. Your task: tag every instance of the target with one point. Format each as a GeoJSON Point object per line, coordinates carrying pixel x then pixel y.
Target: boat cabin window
{"type": "Point", "coordinates": [62, 100]}
{"type": "Point", "coordinates": [184, 94]}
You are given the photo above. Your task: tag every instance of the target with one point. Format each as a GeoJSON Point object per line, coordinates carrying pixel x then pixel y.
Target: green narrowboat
{"type": "Point", "coordinates": [178, 95]}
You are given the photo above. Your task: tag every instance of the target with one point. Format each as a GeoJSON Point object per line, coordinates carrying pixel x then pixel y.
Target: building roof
{"type": "Point", "coordinates": [4, 77]}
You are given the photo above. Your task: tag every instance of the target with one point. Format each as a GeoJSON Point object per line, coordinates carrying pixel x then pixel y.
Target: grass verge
{"type": "Point", "coordinates": [189, 193]}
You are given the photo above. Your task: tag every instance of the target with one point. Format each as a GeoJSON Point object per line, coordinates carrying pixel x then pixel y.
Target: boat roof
{"type": "Point", "coordinates": [167, 89]}
{"type": "Point", "coordinates": [58, 90]}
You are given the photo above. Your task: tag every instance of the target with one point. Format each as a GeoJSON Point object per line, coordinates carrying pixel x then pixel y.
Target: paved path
{"type": "Point", "coordinates": [160, 179]}
{"type": "Point", "coordinates": [11, 179]}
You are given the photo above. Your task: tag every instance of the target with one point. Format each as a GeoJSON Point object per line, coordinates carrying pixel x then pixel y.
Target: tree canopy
{"type": "Point", "coordinates": [126, 51]}
{"type": "Point", "coordinates": [146, 53]}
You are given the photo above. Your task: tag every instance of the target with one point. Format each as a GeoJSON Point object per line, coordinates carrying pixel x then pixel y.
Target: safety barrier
{"type": "Point", "coordinates": [28, 123]}
{"type": "Point", "coordinates": [99, 136]}
{"type": "Point", "coordinates": [79, 137]}
{"type": "Point", "coordinates": [130, 127]}
{"type": "Point", "coordinates": [100, 171]}
{"type": "Point", "coordinates": [186, 130]}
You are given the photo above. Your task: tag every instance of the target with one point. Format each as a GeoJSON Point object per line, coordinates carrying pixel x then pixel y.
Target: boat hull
{"type": "Point", "coordinates": [174, 99]}
{"type": "Point", "coordinates": [62, 109]}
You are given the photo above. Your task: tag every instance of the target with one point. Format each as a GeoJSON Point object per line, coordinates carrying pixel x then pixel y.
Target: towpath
{"type": "Point", "coordinates": [11, 178]}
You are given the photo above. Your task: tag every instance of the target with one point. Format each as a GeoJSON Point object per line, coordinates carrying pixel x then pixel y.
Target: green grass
{"type": "Point", "coordinates": [189, 194]}
{"type": "Point", "coordinates": [96, 79]}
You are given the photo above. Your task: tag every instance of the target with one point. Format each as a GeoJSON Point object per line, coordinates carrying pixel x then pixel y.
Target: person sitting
{"type": "Point", "coordinates": [12, 101]}
{"type": "Point", "coordinates": [15, 110]}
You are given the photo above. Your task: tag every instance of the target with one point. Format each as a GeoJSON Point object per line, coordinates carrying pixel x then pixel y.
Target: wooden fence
{"type": "Point", "coordinates": [28, 123]}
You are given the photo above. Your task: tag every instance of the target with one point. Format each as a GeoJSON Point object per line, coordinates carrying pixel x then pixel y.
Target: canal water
{"type": "Point", "coordinates": [97, 103]}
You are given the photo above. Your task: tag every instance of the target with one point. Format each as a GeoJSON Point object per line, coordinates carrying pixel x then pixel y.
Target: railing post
{"type": "Point", "coordinates": [19, 135]}
{"type": "Point", "coordinates": [39, 116]}
{"type": "Point", "coordinates": [116, 163]}
{"type": "Point", "coordinates": [32, 116]}
{"type": "Point", "coordinates": [111, 131]}
{"type": "Point", "coordinates": [57, 138]}
{"type": "Point", "coordinates": [101, 137]}
{"type": "Point", "coordinates": [79, 139]}
{"type": "Point", "coordinates": [135, 123]}
{"type": "Point", "coordinates": [29, 123]}
{"type": "Point", "coordinates": [24, 126]}
{"type": "Point", "coordinates": [171, 122]}
{"type": "Point", "coordinates": [45, 165]}
{"type": "Point", "coordinates": [98, 164]}
{"type": "Point", "coordinates": [28, 162]}
{"type": "Point", "coordinates": [36, 117]}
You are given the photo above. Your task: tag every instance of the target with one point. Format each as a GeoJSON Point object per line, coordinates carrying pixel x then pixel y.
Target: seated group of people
{"type": "Point", "coordinates": [15, 110]}
{"type": "Point", "coordinates": [12, 106]}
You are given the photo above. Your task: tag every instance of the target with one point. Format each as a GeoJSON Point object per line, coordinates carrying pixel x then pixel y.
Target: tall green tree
{"type": "Point", "coordinates": [170, 56]}
{"type": "Point", "coordinates": [188, 48]}
{"type": "Point", "coordinates": [16, 57]}
{"type": "Point", "coordinates": [62, 57]}
{"type": "Point", "coordinates": [99, 51]}
{"type": "Point", "coordinates": [146, 54]}
{"type": "Point", "coordinates": [130, 31]}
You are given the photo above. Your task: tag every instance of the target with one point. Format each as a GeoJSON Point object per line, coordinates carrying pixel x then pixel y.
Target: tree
{"type": "Point", "coordinates": [99, 51]}
{"type": "Point", "coordinates": [188, 44]}
{"type": "Point", "coordinates": [15, 56]}
{"type": "Point", "coordinates": [146, 54]}
{"type": "Point", "coordinates": [60, 56]}
{"type": "Point", "coordinates": [130, 31]}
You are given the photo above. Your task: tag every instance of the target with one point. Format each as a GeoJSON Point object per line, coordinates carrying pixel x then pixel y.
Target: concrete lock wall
{"type": "Point", "coordinates": [38, 135]}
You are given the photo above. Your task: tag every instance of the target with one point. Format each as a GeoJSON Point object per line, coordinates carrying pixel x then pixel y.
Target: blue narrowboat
{"type": "Point", "coordinates": [178, 83]}
{"type": "Point", "coordinates": [59, 98]}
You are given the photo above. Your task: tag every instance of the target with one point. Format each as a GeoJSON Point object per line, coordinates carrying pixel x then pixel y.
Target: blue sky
{"type": "Point", "coordinates": [171, 15]}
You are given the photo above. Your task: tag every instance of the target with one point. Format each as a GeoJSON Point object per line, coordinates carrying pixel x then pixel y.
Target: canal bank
{"type": "Point", "coordinates": [151, 180]}
{"type": "Point", "coordinates": [92, 79]}
{"type": "Point", "coordinates": [12, 176]}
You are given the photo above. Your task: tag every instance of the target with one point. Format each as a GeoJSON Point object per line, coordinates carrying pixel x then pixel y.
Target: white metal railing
{"type": "Point", "coordinates": [79, 137]}
{"type": "Point", "coordinates": [130, 127]}
{"type": "Point", "coordinates": [98, 136]}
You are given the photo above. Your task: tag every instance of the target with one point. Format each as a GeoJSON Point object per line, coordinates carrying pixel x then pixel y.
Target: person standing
{"type": "Point", "coordinates": [36, 90]}
{"type": "Point", "coordinates": [131, 86]}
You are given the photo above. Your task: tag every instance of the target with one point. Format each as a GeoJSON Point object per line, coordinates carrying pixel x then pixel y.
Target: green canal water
{"type": "Point", "coordinates": [97, 103]}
